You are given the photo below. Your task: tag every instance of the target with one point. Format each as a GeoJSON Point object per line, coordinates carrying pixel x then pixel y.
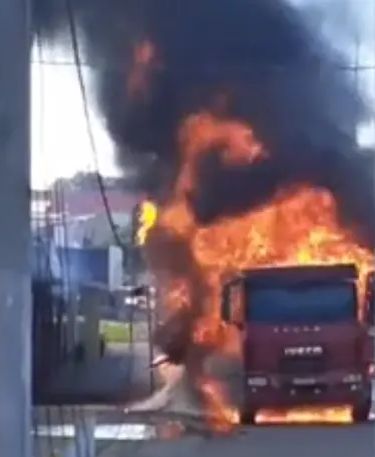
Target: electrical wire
{"type": "Point", "coordinates": [268, 66]}
{"type": "Point", "coordinates": [90, 133]}
{"type": "Point", "coordinates": [100, 181]}
{"type": "Point", "coordinates": [77, 60]}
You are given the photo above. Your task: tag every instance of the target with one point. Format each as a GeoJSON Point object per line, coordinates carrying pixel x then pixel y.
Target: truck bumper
{"type": "Point", "coordinates": [288, 396]}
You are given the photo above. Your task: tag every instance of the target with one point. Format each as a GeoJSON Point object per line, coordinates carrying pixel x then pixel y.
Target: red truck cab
{"type": "Point", "coordinates": [305, 342]}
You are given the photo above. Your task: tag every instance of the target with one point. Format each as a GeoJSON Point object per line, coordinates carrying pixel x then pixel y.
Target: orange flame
{"type": "Point", "coordinates": [299, 226]}
{"type": "Point", "coordinates": [308, 415]}
{"type": "Point", "coordinates": [222, 417]}
{"type": "Point", "coordinates": [202, 132]}
{"type": "Point", "coordinates": [144, 63]}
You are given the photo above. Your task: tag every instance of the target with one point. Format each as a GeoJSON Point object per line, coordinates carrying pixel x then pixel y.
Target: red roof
{"type": "Point", "coordinates": [84, 203]}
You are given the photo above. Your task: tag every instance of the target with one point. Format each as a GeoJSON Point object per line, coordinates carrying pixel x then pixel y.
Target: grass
{"type": "Point", "coordinates": [115, 332]}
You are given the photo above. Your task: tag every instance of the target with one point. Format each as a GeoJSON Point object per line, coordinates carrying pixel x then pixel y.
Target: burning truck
{"type": "Point", "coordinates": [304, 252]}
{"type": "Point", "coordinates": [306, 340]}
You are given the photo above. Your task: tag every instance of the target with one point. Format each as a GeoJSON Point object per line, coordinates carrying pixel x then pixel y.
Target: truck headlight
{"type": "Point", "coordinates": [257, 381]}
{"type": "Point", "coordinates": [352, 378]}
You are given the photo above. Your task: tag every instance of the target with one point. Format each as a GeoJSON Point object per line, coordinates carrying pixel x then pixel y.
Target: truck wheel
{"type": "Point", "coordinates": [361, 412]}
{"type": "Point", "coordinates": [248, 417]}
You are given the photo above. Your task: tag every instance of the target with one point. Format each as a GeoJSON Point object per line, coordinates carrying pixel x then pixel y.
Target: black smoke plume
{"type": "Point", "coordinates": [280, 77]}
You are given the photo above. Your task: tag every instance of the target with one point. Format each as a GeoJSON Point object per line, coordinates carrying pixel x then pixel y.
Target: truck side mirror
{"type": "Point", "coordinates": [372, 312]}
{"type": "Point", "coordinates": [233, 303]}
{"type": "Point", "coordinates": [370, 299]}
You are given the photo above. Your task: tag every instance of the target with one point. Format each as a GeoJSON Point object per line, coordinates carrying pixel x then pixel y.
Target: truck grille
{"type": "Point", "coordinates": [302, 365]}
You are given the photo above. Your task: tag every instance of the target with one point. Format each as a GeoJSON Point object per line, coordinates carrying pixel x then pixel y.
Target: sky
{"type": "Point", "coordinates": [60, 144]}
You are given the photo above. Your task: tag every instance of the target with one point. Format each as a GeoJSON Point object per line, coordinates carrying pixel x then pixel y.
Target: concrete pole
{"type": "Point", "coordinates": [15, 302]}
{"type": "Point", "coordinates": [91, 297]}
{"type": "Point", "coordinates": [83, 442]}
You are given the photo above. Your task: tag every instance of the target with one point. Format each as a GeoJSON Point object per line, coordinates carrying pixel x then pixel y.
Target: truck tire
{"type": "Point", "coordinates": [248, 417]}
{"type": "Point", "coordinates": [361, 411]}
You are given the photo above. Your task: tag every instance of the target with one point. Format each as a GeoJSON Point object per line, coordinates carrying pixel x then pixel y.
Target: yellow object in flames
{"type": "Point", "coordinates": [147, 219]}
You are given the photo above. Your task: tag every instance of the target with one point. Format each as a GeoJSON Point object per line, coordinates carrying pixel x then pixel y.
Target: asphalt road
{"type": "Point", "coordinates": [317, 441]}
{"type": "Point", "coordinates": [265, 441]}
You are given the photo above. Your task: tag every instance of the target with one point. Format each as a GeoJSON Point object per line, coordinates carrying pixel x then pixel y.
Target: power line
{"type": "Point", "coordinates": [77, 61]}
{"type": "Point", "coordinates": [78, 65]}
{"type": "Point", "coordinates": [77, 58]}
{"type": "Point", "coordinates": [338, 67]}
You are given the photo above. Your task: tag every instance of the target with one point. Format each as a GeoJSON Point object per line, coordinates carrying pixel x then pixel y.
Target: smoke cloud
{"type": "Point", "coordinates": [276, 75]}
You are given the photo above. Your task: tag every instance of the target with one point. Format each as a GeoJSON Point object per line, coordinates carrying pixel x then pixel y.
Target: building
{"type": "Point", "coordinates": [78, 217]}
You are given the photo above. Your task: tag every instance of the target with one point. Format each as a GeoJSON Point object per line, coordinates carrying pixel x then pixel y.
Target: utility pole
{"type": "Point", "coordinates": [15, 295]}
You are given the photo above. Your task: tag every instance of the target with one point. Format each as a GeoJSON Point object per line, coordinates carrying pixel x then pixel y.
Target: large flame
{"type": "Point", "coordinates": [299, 226]}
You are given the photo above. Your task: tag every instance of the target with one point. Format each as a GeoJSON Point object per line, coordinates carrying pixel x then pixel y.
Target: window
{"type": "Point", "coordinates": [302, 304]}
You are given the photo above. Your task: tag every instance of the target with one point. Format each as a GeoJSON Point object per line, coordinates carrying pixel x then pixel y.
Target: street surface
{"type": "Point", "coordinates": [317, 441]}
{"type": "Point", "coordinates": [261, 441]}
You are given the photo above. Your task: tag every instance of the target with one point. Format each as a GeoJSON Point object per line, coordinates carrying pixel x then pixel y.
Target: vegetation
{"type": "Point", "coordinates": [115, 332]}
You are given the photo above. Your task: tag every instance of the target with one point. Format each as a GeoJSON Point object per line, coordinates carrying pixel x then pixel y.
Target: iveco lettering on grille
{"type": "Point", "coordinates": [303, 350]}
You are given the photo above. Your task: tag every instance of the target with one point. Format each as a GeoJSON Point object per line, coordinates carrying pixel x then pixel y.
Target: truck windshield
{"type": "Point", "coordinates": [302, 304]}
